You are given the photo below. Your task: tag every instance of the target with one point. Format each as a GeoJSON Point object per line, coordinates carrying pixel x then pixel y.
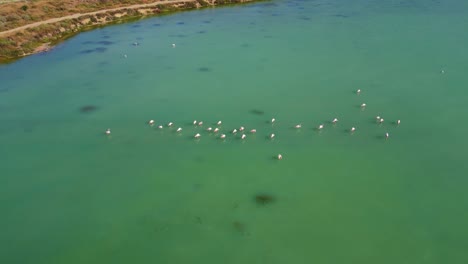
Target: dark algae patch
{"type": "Point", "coordinates": [264, 199]}
{"type": "Point", "coordinates": [105, 42]}
{"type": "Point", "coordinates": [198, 159]}
{"type": "Point", "coordinates": [100, 49]}
{"type": "Point", "coordinates": [89, 51]}
{"type": "Point", "coordinates": [88, 109]}
{"type": "Point", "coordinates": [240, 227]}
{"type": "Point", "coordinates": [257, 112]}
{"type": "Point", "coordinates": [204, 69]}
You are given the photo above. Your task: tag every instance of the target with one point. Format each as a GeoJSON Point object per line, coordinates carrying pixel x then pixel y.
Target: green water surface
{"type": "Point", "coordinates": [70, 194]}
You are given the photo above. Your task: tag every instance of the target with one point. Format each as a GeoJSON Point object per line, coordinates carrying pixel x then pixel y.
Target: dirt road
{"type": "Point", "coordinates": [54, 20]}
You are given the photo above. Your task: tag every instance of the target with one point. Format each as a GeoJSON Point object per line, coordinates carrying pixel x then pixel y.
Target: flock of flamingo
{"type": "Point", "coordinates": [242, 130]}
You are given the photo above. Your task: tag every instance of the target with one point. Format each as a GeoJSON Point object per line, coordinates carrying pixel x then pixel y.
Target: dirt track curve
{"type": "Point", "coordinates": [58, 19]}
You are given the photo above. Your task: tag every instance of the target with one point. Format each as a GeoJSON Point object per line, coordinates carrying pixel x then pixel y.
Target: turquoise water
{"type": "Point", "coordinates": [70, 194]}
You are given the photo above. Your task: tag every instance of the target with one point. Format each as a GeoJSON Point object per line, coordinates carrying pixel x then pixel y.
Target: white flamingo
{"type": "Point", "coordinates": [173, 45]}
{"type": "Point", "coordinates": [179, 129]}
{"type": "Point", "coordinates": [253, 131]}
{"type": "Point", "coordinates": [223, 136]}
{"type": "Point", "coordinates": [335, 120]}
{"type": "Point", "coordinates": [363, 105]}
{"type": "Point", "coordinates": [358, 91]}
{"type": "Point", "coordinates": [160, 127]}
{"type": "Point", "coordinates": [381, 120]}
{"type": "Point", "coordinates": [194, 122]}
{"type": "Point", "coordinates": [273, 120]}
{"type": "Point", "coordinates": [219, 123]}
{"type": "Point", "coordinates": [298, 126]}
{"type": "Point", "coordinates": [197, 135]}
{"type": "Point", "coordinates": [241, 129]}
{"type": "Point", "coordinates": [151, 122]}
{"type": "Point", "coordinates": [209, 129]}
{"type": "Point", "coordinates": [200, 123]}
{"type": "Point", "coordinates": [280, 157]}
{"type": "Point", "coordinates": [234, 131]}
{"type": "Point", "coordinates": [243, 136]}
{"type": "Point", "coordinates": [387, 135]}
{"type": "Point", "coordinates": [320, 127]}
{"type": "Point", "coordinates": [272, 136]}
{"type": "Point", "coordinates": [170, 124]}
{"type": "Point", "coordinates": [398, 122]}
{"type": "Point", "coordinates": [216, 130]}
{"type": "Point", "coordinates": [353, 129]}
{"type": "Point", "coordinates": [378, 118]}
{"type": "Point", "coordinates": [108, 131]}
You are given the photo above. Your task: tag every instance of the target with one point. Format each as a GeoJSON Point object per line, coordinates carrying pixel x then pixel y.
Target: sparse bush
{"type": "Point", "coordinates": [26, 17]}
{"type": "Point", "coordinates": [65, 23]}
{"type": "Point", "coordinates": [13, 17]}
{"type": "Point", "coordinates": [4, 42]}
{"type": "Point", "coordinates": [24, 8]}
{"type": "Point", "coordinates": [29, 46]}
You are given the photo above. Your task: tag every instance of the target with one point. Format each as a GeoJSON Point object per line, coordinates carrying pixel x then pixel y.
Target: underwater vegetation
{"type": "Point", "coordinates": [264, 199]}
{"type": "Point", "coordinates": [257, 112]}
{"type": "Point", "coordinates": [88, 109]}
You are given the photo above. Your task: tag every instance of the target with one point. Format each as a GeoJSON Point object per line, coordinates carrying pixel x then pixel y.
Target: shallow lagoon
{"type": "Point", "coordinates": [69, 194]}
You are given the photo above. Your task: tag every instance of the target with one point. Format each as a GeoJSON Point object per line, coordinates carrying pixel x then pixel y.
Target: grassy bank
{"type": "Point", "coordinates": [16, 14]}
{"type": "Point", "coordinates": [39, 38]}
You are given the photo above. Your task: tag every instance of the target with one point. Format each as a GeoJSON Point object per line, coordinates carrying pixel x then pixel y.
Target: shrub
{"type": "Point", "coordinates": [24, 8]}
{"type": "Point", "coordinates": [13, 17]}
{"type": "Point", "coordinates": [29, 46]}
{"type": "Point", "coordinates": [26, 17]}
{"type": "Point", "coordinates": [4, 42]}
